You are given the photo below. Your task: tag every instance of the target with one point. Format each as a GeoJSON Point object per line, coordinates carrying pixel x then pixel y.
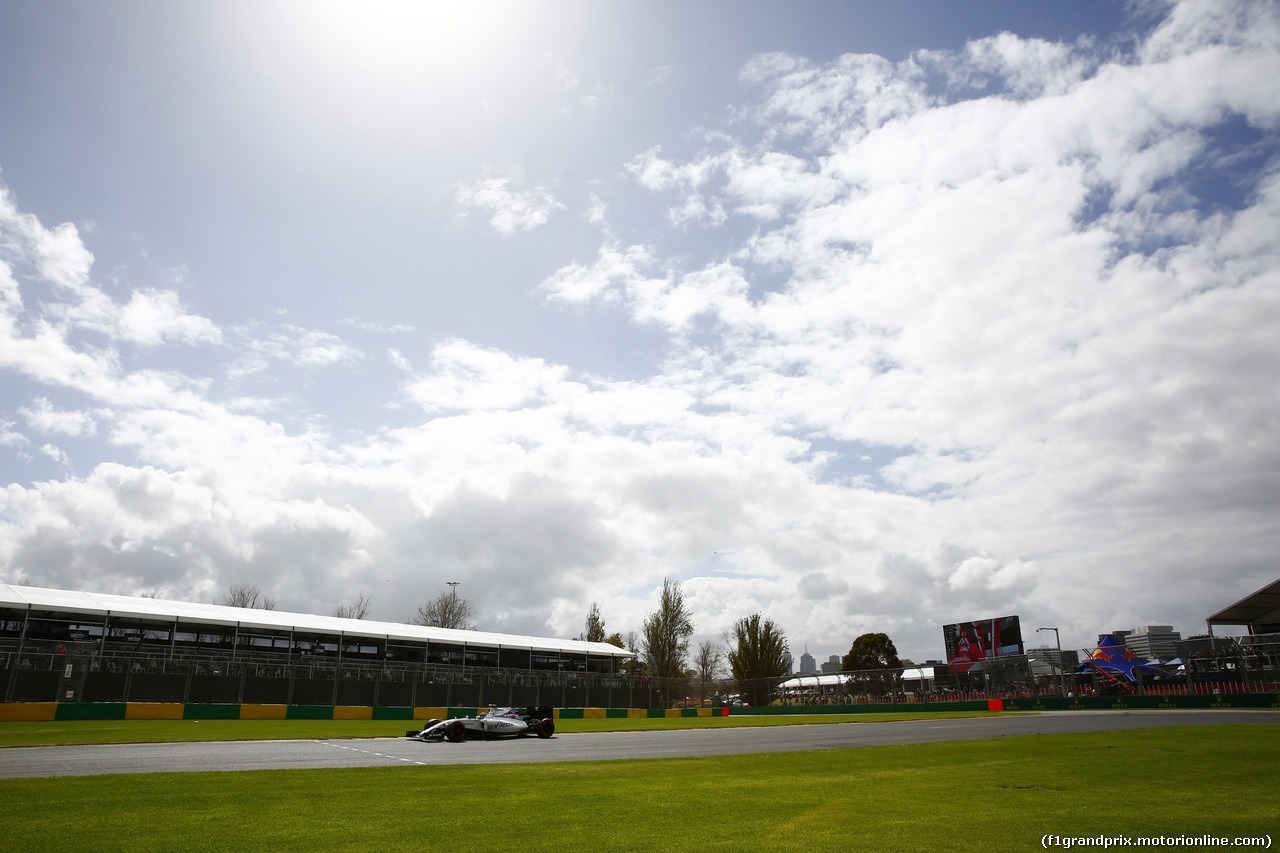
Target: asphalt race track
{"type": "Point", "coordinates": [393, 752]}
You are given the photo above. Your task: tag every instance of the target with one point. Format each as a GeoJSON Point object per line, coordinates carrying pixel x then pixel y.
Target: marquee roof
{"type": "Point", "coordinates": [1259, 609]}
{"type": "Point", "coordinates": [910, 673]}
{"type": "Point", "coordinates": [96, 604]}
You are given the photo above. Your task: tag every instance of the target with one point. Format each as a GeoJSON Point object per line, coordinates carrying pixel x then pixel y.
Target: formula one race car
{"type": "Point", "coordinates": [499, 722]}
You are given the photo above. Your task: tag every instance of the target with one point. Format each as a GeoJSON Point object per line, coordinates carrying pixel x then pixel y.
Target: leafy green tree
{"type": "Point", "coordinates": [594, 632]}
{"type": "Point", "coordinates": [758, 657]}
{"type": "Point", "coordinates": [874, 663]}
{"type": "Point", "coordinates": [665, 644]}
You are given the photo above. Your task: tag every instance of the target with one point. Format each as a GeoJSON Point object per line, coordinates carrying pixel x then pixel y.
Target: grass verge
{"type": "Point", "coordinates": [1002, 794]}
{"type": "Point", "coordinates": [175, 731]}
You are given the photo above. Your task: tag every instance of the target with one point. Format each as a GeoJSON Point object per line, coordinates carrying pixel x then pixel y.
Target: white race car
{"type": "Point", "coordinates": [498, 722]}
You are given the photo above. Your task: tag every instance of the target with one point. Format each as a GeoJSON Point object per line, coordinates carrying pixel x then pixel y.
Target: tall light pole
{"type": "Point", "coordinates": [1058, 644]}
{"type": "Point", "coordinates": [453, 600]}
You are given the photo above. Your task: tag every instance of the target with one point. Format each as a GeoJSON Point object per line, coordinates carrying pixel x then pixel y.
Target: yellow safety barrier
{"type": "Point", "coordinates": [430, 713]}
{"type": "Point", "coordinates": [353, 712]}
{"type": "Point", "coordinates": [263, 712]}
{"type": "Point", "coordinates": [153, 711]}
{"type": "Point", "coordinates": [28, 712]}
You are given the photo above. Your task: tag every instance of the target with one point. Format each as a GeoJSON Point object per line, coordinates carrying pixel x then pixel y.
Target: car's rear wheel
{"type": "Point", "coordinates": [546, 728]}
{"type": "Point", "coordinates": [456, 731]}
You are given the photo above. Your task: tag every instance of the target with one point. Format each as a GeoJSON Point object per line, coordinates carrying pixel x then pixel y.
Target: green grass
{"type": "Point", "coordinates": [154, 731]}
{"type": "Point", "coordinates": [996, 795]}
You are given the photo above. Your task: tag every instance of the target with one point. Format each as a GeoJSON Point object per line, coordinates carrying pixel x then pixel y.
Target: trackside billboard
{"type": "Point", "coordinates": [968, 644]}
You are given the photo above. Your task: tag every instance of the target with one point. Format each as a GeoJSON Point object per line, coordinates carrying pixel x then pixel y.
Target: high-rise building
{"type": "Point", "coordinates": [807, 663]}
{"type": "Point", "coordinates": [1154, 641]}
{"type": "Point", "coordinates": [1066, 660]}
{"type": "Point", "coordinates": [832, 666]}
{"type": "Point", "coordinates": [1121, 636]}
{"type": "Point", "coordinates": [1150, 641]}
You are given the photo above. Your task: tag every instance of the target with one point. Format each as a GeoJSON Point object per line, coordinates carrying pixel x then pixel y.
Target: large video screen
{"type": "Point", "coordinates": [970, 643]}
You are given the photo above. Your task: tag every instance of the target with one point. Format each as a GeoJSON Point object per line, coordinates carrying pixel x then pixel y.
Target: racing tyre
{"type": "Point", "coordinates": [456, 731]}
{"type": "Point", "coordinates": [546, 728]}
{"type": "Point", "coordinates": [430, 723]}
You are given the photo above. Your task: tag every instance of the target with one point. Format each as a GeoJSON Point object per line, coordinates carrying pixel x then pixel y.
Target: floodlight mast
{"type": "Point", "coordinates": [1062, 690]}
{"type": "Point", "coordinates": [453, 601]}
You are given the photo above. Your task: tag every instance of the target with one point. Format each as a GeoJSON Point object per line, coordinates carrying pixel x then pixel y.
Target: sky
{"type": "Point", "coordinates": [867, 317]}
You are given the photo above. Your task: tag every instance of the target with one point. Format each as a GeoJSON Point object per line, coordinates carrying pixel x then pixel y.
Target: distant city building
{"type": "Point", "coordinates": [807, 663]}
{"type": "Point", "coordinates": [832, 666]}
{"type": "Point", "coordinates": [1155, 641]}
{"type": "Point", "coordinates": [1121, 636]}
{"type": "Point", "coordinates": [1150, 641]}
{"type": "Point", "coordinates": [1066, 660]}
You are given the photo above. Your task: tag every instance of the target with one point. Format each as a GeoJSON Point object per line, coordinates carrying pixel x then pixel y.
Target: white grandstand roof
{"type": "Point", "coordinates": [162, 610]}
{"type": "Point", "coordinates": [911, 673]}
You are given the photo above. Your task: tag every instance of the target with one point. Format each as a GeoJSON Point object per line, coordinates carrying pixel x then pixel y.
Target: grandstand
{"type": "Point", "coordinates": [69, 646]}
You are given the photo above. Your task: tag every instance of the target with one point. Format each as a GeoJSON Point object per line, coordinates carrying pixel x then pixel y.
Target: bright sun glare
{"type": "Point", "coordinates": [397, 41]}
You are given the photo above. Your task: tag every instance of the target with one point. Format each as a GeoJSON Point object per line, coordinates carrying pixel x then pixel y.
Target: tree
{"type": "Point", "coordinates": [446, 611]}
{"type": "Point", "coordinates": [594, 632]}
{"type": "Point", "coordinates": [705, 663]}
{"type": "Point", "coordinates": [631, 642]}
{"type": "Point", "coordinates": [248, 595]}
{"type": "Point", "coordinates": [666, 633]}
{"type": "Point", "coordinates": [874, 661]}
{"type": "Point", "coordinates": [357, 609]}
{"type": "Point", "coordinates": [757, 657]}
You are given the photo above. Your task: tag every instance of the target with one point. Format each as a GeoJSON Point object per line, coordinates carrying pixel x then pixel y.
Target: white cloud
{"type": "Point", "coordinates": [655, 173]}
{"type": "Point", "coordinates": [614, 273]}
{"type": "Point", "coordinates": [45, 418]}
{"type": "Point", "coordinates": [617, 275]}
{"type": "Point", "coordinates": [380, 328]}
{"type": "Point", "coordinates": [469, 378]}
{"type": "Point", "coordinates": [151, 317]}
{"type": "Point", "coordinates": [1029, 68]}
{"type": "Point", "coordinates": [401, 363]}
{"type": "Point", "coordinates": [57, 455]}
{"type": "Point", "coordinates": [596, 210]}
{"type": "Point", "coordinates": [511, 211]}
{"type": "Point", "coordinates": [10, 437]}
{"type": "Point", "coordinates": [309, 348]}
{"type": "Point", "coordinates": [57, 253]}
{"type": "Point", "coordinates": [50, 340]}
